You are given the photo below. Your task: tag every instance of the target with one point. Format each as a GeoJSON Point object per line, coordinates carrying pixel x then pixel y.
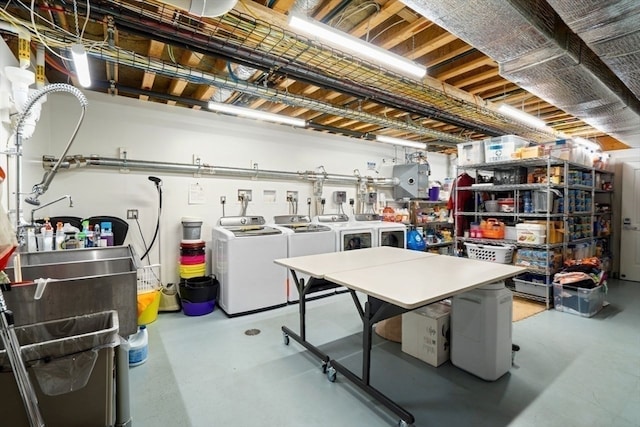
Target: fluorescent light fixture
{"type": "Point", "coordinates": [256, 114]}
{"type": "Point", "coordinates": [356, 46]}
{"type": "Point", "coordinates": [81, 64]}
{"type": "Point", "coordinates": [521, 116]}
{"type": "Point", "coordinates": [401, 142]}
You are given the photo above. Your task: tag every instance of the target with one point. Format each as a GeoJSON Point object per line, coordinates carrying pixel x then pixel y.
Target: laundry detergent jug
{"type": "Point", "coordinates": [415, 241]}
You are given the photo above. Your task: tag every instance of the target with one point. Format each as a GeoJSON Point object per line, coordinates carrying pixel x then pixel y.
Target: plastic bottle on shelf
{"type": "Point", "coordinates": [107, 234]}
{"type": "Point", "coordinates": [59, 236]}
{"type": "Point", "coordinates": [47, 236]}
{"type": "Point", "coordinates": [139, 347]}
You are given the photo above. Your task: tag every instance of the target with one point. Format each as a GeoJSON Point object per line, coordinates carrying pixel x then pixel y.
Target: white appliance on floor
{"type": "Point", "coordinates": [305, 238]}
{"type": "Point", "coordinates": [481, 325]}
{"type": "Point", "coordinates": [243, 252]}
{"type": "Point", "coordinates": [350, 234]}
{"type": "Point", "coordinates": [385, 233]}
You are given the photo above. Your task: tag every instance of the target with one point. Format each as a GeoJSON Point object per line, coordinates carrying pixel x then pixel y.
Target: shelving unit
{"type": "Point", "coordinates": [422, 214]}
{"type": "Point", "coordinates": [580, 227]}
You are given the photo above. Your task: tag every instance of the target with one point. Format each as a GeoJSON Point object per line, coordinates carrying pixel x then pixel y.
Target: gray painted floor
{"type": "Point", "coordinates": [204, 371]}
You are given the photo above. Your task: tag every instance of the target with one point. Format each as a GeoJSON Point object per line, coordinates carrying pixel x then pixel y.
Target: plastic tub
{"type": "Point", "coordinates": [149, 313]}
{"type": "Point", "coordinates": [197, 308]}
{"type": "Point", "coordinates": [191, 228]}
{"type": "Point", "coordinates": [192, 259]}
{"type": "Point", "coordinates": [199, 289]}
{"type": "Point", "coordinates": [491, 206]}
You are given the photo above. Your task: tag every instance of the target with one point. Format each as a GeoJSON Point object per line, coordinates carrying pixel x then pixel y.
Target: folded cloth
{"type": "Point", "coordinates": [144, 300]}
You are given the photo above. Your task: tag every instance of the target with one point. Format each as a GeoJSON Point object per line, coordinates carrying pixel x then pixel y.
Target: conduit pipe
{"type": "Point", "coordinates": [220, 171]}
{"type": "Point", "coordinates": [194, 76]}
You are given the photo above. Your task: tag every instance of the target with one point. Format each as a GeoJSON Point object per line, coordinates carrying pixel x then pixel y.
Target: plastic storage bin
{"type": "Point", "coordinates": [531, 288]}
{"type": "Point", "coordinates": [503, 148]}
{"type": "Point", "coordinates": [470, 153]}
{"type": "Point", "coordinates": [581, 301]}
{"type": "Point", "coordinates": [532, 233]}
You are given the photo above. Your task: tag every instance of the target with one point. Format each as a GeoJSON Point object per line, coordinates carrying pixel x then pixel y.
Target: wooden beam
{"type": "Point", "coordinates": [445, 53]}
{"type": "Point", "coordinates": [388, 10]}
{"type": "Point", "coordinates": [462, 65]}
{"type": "Point", "coordinates": [283, 6]}
{"type": "Point", "coordinates": [475, 78]}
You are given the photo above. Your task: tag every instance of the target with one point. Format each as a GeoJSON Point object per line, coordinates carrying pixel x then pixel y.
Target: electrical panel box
{"type": "Point", "coordinates": [413, 181]}
{"type": "Point", "coordinates": [339, 197]}
{"type": "Point", "coordinates": [372, 198]}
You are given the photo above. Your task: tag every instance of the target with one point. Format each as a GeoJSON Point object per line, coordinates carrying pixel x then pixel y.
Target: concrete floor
{"type": "Point", "coordinates": [205, 371]}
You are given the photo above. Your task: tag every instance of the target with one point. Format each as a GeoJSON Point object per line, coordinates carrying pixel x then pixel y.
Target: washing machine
{"type": "Point", "coordinates": [306, 238]}
{"type": "Point", "coordinates": [244, 248]}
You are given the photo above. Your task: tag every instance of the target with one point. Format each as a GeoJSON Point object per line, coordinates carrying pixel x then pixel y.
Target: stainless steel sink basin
{"type": "Point", "coordinates": [84, 281]}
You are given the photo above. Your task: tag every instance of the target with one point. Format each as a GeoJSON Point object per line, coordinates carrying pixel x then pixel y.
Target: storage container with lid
{"type": "Point", "coordinates": [532, 233]}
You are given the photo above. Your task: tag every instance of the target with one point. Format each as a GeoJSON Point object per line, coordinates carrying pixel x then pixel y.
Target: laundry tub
{"type": "Point", "coordinates": [70, 363]}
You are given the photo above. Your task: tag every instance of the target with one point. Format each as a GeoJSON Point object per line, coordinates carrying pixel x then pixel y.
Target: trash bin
{"type": "Point", "coordinates": [71, 366]}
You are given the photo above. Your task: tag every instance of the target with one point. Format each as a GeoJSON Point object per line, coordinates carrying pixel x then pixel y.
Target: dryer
{"type": "Point", "coordinates": [244, 248]}
{"type": "Point", "coordinates": [306, 238]}
{"type": "Point", "coordinates": [385, 233]}
{"type": "Point", "coordinates": [391, 234]}
{"type": "Point", "coordinates": [350, 234]}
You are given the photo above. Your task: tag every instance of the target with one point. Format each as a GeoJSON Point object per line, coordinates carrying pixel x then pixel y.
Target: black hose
{"type": "Point", "coordinates": [155, 234]}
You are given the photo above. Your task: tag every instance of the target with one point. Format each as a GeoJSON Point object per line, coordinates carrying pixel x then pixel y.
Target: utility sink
{"type": "Point", "coordinates": [83, 281]}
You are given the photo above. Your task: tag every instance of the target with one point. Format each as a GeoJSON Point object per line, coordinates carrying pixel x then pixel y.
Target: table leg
{"type": "Point", "coordinates": [375, 310]}
{"type": "Point", "coordinates": [301, 338]}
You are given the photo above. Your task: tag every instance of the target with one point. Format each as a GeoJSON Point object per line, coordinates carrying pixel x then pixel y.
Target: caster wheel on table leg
{"type": "Point", "coordinates": [403, 423]}
{"type": "Point", "coordinates": [286, 338]}
{"type": "Point", "coordinates": [324, 367]}
{"type": "Point", "coordinates": [331, 373]}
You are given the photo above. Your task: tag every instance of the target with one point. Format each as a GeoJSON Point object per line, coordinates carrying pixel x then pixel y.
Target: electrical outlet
{"type": "Point", "coordinates": [223, 200]}
{"type": "Point", "coordinates": [292, 196]}
{"type": "Point", "coordinates": [132, 213]}
{"type": "Point", "coordinates": [244, 195]}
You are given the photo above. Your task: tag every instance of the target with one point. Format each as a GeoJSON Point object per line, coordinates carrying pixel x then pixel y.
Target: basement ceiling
{"type": "Point", "coordinates": [157, 52]}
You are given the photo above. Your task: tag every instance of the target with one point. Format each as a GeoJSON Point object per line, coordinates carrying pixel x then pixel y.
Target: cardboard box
{"type": "Point", "coordinates": [425, 333]}
{"type": "Point", "coordinates": [531, 152]}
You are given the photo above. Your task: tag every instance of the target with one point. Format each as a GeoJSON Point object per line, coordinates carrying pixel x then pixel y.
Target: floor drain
{"type": "Point", "coordinates": [251, 332]}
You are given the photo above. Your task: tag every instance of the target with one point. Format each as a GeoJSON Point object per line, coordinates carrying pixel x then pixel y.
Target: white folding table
{"type": "Point", "coordinates": [395, 281]}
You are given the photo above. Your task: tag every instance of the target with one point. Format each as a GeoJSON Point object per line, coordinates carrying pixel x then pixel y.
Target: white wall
{"type": "Point", "coordinates": [157, 132]}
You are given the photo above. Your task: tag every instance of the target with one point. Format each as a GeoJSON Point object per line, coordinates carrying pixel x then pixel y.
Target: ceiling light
{"type": "Point", "coordinates": [81, 64]}
{"type": "Point", "coordinates": [356, 46]}
{"type": "Point", "coordinates": [521, 116]}
{"type": "Point", "coordinates": [401, 142]}
{"type": "Point", "coordinates": [256, 114]}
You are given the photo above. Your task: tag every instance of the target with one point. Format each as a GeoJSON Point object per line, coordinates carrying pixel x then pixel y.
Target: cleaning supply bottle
{"type": "Point", "coordinates": [139, 347]}
{"type": "Point", "coordinates": [47, 235]}
{"type": "Point", "coordinates": [88, 234]}
{"type": "Point", "coordinates": [96, 235]}
{"type": "Point", "coordinates": [106, 234]}
{"type": "Point", "coordinates": [60, 237]}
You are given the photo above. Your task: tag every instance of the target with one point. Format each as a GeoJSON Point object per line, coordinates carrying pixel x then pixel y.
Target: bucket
{"type": "Point", "coordinates": [148, 304]}
{"type": "Point", "coordinates": [191, 228]}
{"type": "Point", "coordinates": [199, 289]}
{"type": "Point", "coordinates": [434, 193]}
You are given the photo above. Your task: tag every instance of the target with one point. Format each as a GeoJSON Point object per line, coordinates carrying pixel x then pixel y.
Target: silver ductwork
{"type": "Point", "coordinates": [611, 29]}
{"type": "Point", "coordinates": [537, 51]}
